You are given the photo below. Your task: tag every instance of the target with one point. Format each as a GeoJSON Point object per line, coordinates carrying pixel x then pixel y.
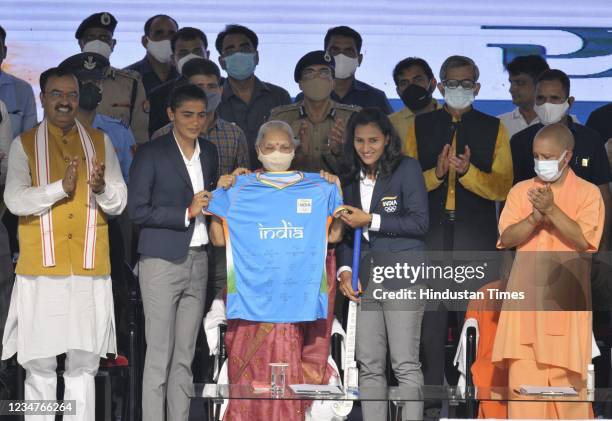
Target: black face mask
{"type": "Point", "coordinates": [90, 96]}
{"type": "Point", "coordinates": [416, 97]}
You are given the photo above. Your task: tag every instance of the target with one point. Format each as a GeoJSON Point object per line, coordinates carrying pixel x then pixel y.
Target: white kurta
{"type": "Point", "coordinates": [50, 314]}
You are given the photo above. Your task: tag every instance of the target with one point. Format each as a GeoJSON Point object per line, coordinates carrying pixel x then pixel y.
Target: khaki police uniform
{"type": "Point", "coordinates": [319, 155]}
{"type": "Point", "coordinates": [124, 98]}
{"type": "Point", "coordinates": [123, 94]}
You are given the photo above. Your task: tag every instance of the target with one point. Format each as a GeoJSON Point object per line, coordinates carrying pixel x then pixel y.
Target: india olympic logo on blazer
{"type": "Point", "coordinates": [389, 203]}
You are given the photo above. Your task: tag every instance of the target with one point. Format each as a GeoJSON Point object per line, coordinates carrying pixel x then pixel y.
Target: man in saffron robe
{"type": "Point", "coordinates": [549, 219]}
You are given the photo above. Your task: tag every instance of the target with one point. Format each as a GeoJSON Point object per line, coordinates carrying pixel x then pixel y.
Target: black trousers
{"type": "Point", "coordinates": [434, 329]}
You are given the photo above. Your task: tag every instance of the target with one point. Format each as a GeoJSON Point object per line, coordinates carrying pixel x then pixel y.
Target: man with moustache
{"type": "Point", "coordinates": [89, 70]}
{"type": "Point", "coordinates": [62, 299]}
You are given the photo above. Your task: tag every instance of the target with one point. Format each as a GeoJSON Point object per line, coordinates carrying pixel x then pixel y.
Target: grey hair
{"type": "Point", "coordinates": [276, 125]}
{"type": "Point", "coordinates": [458, 61]}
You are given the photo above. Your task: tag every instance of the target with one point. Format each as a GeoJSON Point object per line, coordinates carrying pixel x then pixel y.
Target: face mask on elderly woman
{"type": "Point", "coordinates": [276, 161]}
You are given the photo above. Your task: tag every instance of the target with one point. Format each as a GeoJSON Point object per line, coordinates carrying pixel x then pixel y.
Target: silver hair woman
{"type": "Point", "coordinates": [276, 145]}
{"type": "Point", "coordinates": [251, 343]}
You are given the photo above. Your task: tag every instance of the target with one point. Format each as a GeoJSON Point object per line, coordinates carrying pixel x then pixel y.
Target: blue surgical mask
{"type": "Point", "coordinates": [213, 99]}
{"type": "Point", "coordinates": [240, 66]}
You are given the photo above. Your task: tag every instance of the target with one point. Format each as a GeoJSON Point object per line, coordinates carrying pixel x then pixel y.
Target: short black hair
{"type": "Point", "coordinates": [532, 65]}
{"type": "Point", "coordinates": [187, 34]}
{"type": "Point", "coordinates": [556, 74]}
{"type": "Point", "coordinates": [343, 31]}
{"type": "Point", "coordinates": [236, 29]}
{"type": "Point", "coordinates": [55, 72]}
{"type": "Point", "coordinates": [392, 155]}
{"type": "Point", "coordinates": [186, 92]}
{"type": "Point", "coordinates": [408, 63]}
{"type": "Point", "coordinates": [201, 66]}
{"type": "Point", "coordinates": [149, 22]}
{"type": "Point", "coordinates": [2, 34]}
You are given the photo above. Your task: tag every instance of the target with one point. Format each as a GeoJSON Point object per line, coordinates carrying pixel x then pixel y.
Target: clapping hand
{"type": "Point", "coordinates": [70, 177]}
{"type": "Point", "coordinates": [336, 137]}
{"type": "Point", "coordinates": [96, 177]}
{"type": "Point", "coordinates": [461, 162]}
{"type": "Point", "coordinates": [443, 162]}
{"type": "Point", "coordinates": [542, 199]}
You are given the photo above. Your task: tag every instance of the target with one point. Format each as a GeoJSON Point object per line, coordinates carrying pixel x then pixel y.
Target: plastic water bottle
{"type": "Point", "coordinates": [590, 382]}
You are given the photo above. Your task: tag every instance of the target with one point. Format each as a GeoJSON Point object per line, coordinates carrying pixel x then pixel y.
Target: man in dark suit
{"type": "Point", "coordinates": [170, 180]}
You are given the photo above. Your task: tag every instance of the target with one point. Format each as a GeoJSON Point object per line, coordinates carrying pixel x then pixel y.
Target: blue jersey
{"type": "Point", "coordinates": [276, 227]}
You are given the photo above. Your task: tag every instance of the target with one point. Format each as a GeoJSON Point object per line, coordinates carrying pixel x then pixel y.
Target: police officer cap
{"type": "Point", "coordinates": [102, 20]}
{"type": "Point", "coordinates": [86, 66]}
{"type": "Point", "coordinates": [312, 58]}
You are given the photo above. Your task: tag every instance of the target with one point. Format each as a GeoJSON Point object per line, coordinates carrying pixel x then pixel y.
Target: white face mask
{"type": "Point", "coordinates": [345, 66]}
{"type": "Point", "coordinates": [183, 60]}
{"type": "Point", "coordinates": [276, 161]}
{"type": "Point", "coordinates": [98, 47]}
{"type": "Point", "coordinates": [458, 98]}
{"type": "Point", "coordinates": [161, 50]}
{"type": "Point", "coordinates": [548, 169]}
{"type": "Point", "coordinates": [551, 113]}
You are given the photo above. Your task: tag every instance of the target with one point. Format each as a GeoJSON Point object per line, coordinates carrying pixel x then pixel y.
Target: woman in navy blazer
{"type": "Point", "coordinates": [385, 195]}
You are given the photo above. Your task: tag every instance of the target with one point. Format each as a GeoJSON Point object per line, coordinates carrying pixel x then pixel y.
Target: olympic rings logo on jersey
{"type": "Point", "coordinates": [389, 204]}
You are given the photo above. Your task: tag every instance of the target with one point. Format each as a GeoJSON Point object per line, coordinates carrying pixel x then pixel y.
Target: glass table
{"type": "Point", "coordinates": [214, 395]}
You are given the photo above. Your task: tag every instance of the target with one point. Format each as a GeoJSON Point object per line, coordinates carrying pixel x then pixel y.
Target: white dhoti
{"type": "Point", "coordinates": [52, 315]}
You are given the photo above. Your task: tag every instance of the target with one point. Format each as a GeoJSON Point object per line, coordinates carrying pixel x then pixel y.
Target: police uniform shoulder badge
{"type": "Point", "coordinates": [347, 107]}
{"type": "Point", "coordinates": [284, 108]}
{"type": "Point", "coordinates": [128, 73]}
